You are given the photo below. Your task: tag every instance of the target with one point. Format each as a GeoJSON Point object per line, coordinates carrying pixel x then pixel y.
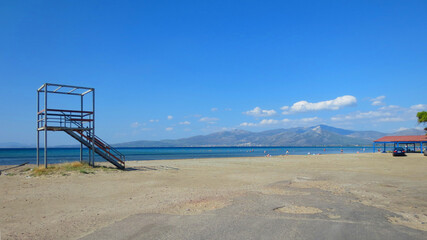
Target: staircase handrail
{"type": "Point", "coordinates": [107, 146]}
{"type": "Point", "coordinates": [104, 148]}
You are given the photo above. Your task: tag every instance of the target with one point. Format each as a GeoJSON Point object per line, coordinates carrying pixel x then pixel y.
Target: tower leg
{"type": "Point", "coordinates": [38, 132]}
{"type": "Point", "coordinates": [81, 152]}
{"type": "Point", "coordinates": [93, 128]}
{"type": "Point", "coordinates": [89, 150]}
{"type": "Point", "coordinates": [38, 148]}
{"type": "Point", "coordinates": [45, 148]}
{"type": "Point", "coordinates": [45, 126]}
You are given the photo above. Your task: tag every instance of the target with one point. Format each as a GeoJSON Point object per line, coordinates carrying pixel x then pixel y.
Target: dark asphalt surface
{"type": "Point", "coordinates": [253, 217]}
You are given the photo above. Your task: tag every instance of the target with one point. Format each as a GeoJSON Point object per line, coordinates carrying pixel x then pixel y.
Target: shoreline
{"type": "Point", "coordinates": [106, 163]}
{"type": "Point", "coordinates": [178, 157]}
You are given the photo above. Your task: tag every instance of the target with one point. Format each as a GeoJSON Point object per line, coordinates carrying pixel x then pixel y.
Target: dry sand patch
{"type": "Point", "coordinates": [282, 188]}
{"type": "Point", "coordinates": [197, 206]}
{"type": "Point", "coordinates": [294, 209]}
{"type": "Point", "coordinates": [415, 221]}
{"type": "Point", "coordinates": [305, 182]}
{"type": "Point", "coordinates": [281, 191]}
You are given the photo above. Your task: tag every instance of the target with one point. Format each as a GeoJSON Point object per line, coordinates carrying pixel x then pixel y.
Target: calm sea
{"type": "Point", "coordinates": [14, 156]}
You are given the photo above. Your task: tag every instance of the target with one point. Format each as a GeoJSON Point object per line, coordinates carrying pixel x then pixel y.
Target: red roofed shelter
{"type": "Point", "coordinates": [407, 140]}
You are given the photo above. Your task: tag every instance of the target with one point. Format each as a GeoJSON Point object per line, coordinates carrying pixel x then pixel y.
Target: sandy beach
{"type": "Point", "coordinates": [75, 205]}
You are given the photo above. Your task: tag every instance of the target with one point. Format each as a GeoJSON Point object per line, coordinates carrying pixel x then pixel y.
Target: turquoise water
{"type": "Point", "coordinates": [13, 156]}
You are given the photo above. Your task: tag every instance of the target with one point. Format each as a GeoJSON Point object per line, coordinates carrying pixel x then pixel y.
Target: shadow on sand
{"type": "Point", "coordinates": [151, 168]}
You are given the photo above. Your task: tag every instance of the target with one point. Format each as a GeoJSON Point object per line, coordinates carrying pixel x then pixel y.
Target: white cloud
{"type": "Point", "coordinates": [419, 107]}
{"type": "Point", "coordinates": [170, 117]}
{"type": "Point", "coordinates": [228, 109]}
{"type": "Point", "coordinates": [209, 120]}
{"type": "Point", "coordinates": [335, 104]}
{"type": "Point", "coordinates": [135, 125]}
{"type": "Point", "coordinates": [361, 115]}
{"type": "Point", "coordinates": [246, 124]}
{"type": "Point", "coordinates": [185, 123]}
{"type": "Point", "coordinates": [312, 119]}
{"type": "Point", "coordinates": [377, 101]}
{"type": "Point", "coordinates": [389, 107]}
{"type": "Point", "coordinates": [258, 112]}
{"type": "Point", "coordinates": [401, 129]}
{"type": "Point", "coordinates": [154, 120]}
{"type": "Point", "coordinates": [372, 114]}
{"type": "Point", "coordinates": [338, 118]}
{"type": "Point", "coordinates": [391, 113]}
{"type": "Point", "coordinates": [214, 109]}
{"type": "Point", "coordinates": [391, 119]}
{"type": "Point", "coordinates": [169, 129]}
{"type": "Point", "coordinates": [268, 122]}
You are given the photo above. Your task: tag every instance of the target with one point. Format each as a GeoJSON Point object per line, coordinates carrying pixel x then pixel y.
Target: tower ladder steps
{"type": "Point", "coordinates": [101, 148]}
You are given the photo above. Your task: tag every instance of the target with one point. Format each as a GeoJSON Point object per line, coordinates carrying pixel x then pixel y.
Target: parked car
{"type": "Point", "coordinates": [399, 151]}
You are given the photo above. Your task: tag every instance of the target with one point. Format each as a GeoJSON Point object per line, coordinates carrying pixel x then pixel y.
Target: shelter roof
{"type": "Point", "coordinates": [416, 138]}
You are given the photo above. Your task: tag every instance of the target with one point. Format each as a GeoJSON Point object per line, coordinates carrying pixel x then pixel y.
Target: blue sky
{"type": "Point", "coordinates": [171, 69]}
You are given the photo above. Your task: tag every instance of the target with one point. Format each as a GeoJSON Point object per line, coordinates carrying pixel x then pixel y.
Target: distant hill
{"type": "Point", "coordinates": [408, 132]}
{"type": "Point", "coordinates": [320, 135]}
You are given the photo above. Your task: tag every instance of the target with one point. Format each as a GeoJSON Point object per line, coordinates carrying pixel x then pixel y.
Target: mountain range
{"type": "Point", "coordinates": [320, 135]}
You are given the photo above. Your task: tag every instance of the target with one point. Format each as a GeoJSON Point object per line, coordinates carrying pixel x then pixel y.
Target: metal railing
{"type": "Point", "coordinates": [64, 118]}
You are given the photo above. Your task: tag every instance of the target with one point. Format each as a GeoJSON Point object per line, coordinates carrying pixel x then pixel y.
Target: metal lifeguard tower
{"type": "Point", "coordinates": [79, 124]}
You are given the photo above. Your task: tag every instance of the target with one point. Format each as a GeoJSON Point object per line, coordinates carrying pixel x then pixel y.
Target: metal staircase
{"type": "Point", "coordinates": [101, 148]}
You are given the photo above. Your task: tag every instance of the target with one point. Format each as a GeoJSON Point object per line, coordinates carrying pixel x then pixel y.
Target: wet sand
{"type": "Point", "coordinates": [73, 206]}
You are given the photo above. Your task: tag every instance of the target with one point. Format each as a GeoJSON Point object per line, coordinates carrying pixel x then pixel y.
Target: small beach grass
{"type": "Point", "coordinates": [67, 168]}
